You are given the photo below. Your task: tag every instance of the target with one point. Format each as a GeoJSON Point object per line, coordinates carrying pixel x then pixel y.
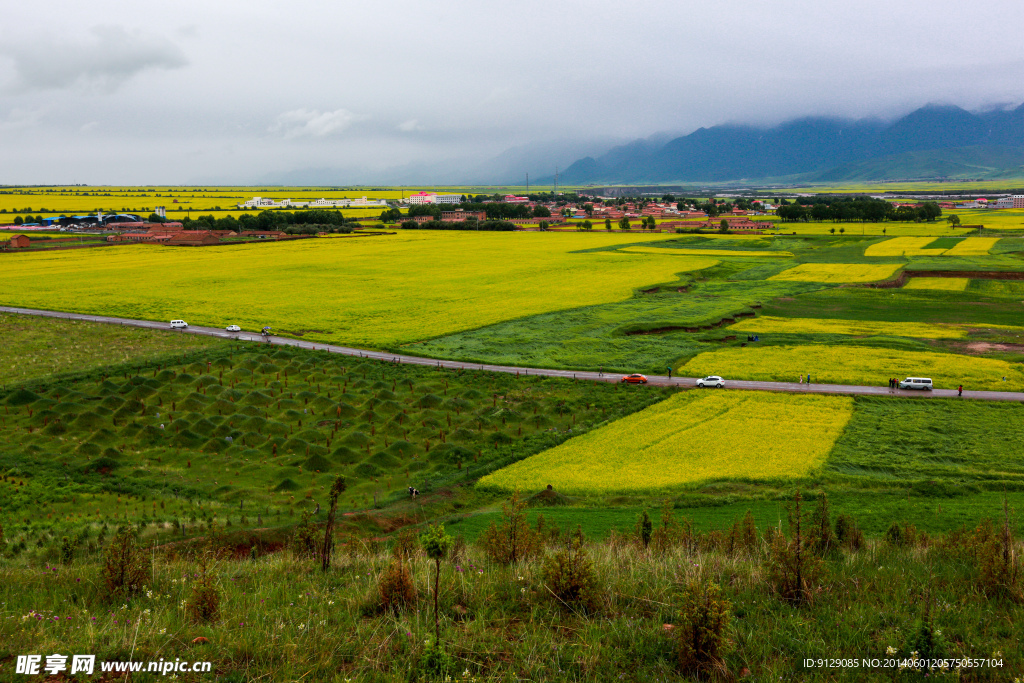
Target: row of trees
{"type": "Point", "coordinates": [285, 221]}
{"type": "Point", "coordinates": [862, 209]}
{"type": "Point", "coordinates": [493, 210]}
{"type": "Point", "coordinates": [500, 226]}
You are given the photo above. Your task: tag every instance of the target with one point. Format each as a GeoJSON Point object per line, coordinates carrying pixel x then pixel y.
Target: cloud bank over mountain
{"type": "Point", "coordinates": [401, 91]}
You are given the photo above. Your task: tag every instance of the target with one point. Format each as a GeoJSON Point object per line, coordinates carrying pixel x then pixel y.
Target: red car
{"type": "Point", "coordinates": [635, 378]}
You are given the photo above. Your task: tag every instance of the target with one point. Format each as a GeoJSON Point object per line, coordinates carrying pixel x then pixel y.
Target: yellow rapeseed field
{"type": "Point", "coordinates": [903, 246]}
{"type": "Point", "coordinates": [365, 291]}
{"type": "Point", "coordinates": [837, 272]}
{"type": "Point", "coordinates": [972, 246]}
{"type": "Point", "coordinates": [949, 284]}
{"type": "Point", "coordinates": [768, 324]}
{"type": "Point", "coordinates": [705, 252]}
{"type": "Point", "coordinates": [857, 365]}
{"type": "Point", "coordinates": [690, 438]}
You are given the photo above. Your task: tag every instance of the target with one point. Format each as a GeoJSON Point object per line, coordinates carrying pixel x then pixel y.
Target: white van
{"type": "Point", "coordinates": [916, 383]}
{"type": "Point", "coordinates": [175, 324]}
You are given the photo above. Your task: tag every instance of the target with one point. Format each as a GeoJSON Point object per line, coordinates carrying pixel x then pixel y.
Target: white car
{"type": "Point", "coordinates": [177, 324]}
{"type": "Point", "coordinates": [923, 383]}
{"type": "Point", "coordinates": [233, 328]}
{"type": "Point", "coordinates": [711, 381]}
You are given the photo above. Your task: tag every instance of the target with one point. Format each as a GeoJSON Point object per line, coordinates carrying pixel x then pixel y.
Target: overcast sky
{"type": "Point", "coordinates": [198, 91]}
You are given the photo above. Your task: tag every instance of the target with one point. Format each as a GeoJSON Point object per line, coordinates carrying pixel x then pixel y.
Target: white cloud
{"type": "Point", "coordinates": [313, 122]}
{"type": "Point", "coordinates": [113, 56]}
{"type": "Point", "coordinates": [410, 126]}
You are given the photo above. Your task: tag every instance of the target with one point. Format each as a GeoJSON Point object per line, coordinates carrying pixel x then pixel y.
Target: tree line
{"type": "Point", "coordinates": [291, 222]}
{"type": "Point", "coordinates": [860, 209]}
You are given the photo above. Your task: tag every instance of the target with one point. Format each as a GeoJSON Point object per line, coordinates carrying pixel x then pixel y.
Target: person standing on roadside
{"type": "Point", "coordinates": [960, 390]}
{"type": "Point", "coordinates": [808, 378]}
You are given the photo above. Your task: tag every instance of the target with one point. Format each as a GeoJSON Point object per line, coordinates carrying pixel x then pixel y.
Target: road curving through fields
{"type": "Point", "coordinates": [658, 380]}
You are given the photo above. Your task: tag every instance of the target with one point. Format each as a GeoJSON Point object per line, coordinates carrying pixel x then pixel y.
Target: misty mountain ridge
{"type": "Point", "coordinates": [935, 141]}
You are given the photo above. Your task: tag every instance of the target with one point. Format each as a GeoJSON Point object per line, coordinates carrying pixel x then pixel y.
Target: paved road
{"type": "Point", "coordinates": [659, 380]}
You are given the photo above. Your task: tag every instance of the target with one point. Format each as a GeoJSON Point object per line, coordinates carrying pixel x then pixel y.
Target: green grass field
{"type": "Point", "coordinates": [231, 448]}
{"type": "Point", "coordinates": [36, 347]}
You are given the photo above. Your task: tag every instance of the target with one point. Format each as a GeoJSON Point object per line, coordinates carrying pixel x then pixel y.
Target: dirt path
{"type": "Point", "coordinates": [658, 380]}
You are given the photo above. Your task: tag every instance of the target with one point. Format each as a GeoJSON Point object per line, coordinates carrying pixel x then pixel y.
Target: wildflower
{"type": "Point", "coordinates": [163, 631]}
{"type": "Point", "coordinates": [302, 627]}
{"type": "Point", "coordinates": [890, 650]}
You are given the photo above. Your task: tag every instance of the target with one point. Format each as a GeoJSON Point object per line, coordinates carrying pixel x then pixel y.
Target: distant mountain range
{"type": "Point", "coordinates": [932, 142]}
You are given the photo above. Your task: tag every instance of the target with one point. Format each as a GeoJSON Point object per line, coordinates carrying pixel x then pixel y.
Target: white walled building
{"type": "Point", "coordinates": [266, 203]}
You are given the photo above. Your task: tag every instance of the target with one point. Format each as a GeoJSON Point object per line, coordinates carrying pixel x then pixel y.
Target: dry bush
{"type": "Point", "coordinates": [569, 575]}
{"type": "Point", "coordinates": [512, 539]}
{"type": "Point", "coordinates": [125, 567]}
{"type": "Point", "coordinates": [793, 569]}
{"type": "Point", "coordinates": [670, 533]}
{"type": "Point", "coordinates": [996, 559]}
{"type": "Point", "coordinates": [306, 540]}
{"type": "Point", "coordinates": [742, 536]}
{"type": "Point", "coordinates": [396, 587]}
{"type": "Point", "coordinates": [406, 544]}
{"type": "Point", "coordinates": [820, 538]}
{"type": "Point", "coordinates": [203, 603]}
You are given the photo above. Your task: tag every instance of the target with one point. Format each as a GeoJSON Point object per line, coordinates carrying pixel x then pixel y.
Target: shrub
{"type": "Point", "coordinates": [998, 569]}
{"type": "Point", "coordinates": [406, 544]}
{"type": "Point", "coordinates": [435, 662]}
{"type": "Point", "coordinates": [437, 544]}
{"type": "Point", "coordinates": [672, 533]}
{"type": "Point", "coordinates": [704, 617]}
{"type": "Point", "coordinates": [820, 539]}
{"type": "Point", "coordinates": [204, 602]}
{"type": "Point", "coordinates": [742, 536]}
{"type": "Point", "coordinates": [901, 535]}
{"type": "Point", "coordinates": [848, 534]}
{"type": "Point", "coordinates": [126, 567]}
{"type": "Point", "coordinates": [794, 571]}
{"type": "Point", "coordinates": [927, 642]}
{"type": "Point", "coordinates": [644, 528]}
{"type": "Point", "coordinates": [337, 488]}
{"type": "Point", "coordinates": [67, 550]}
{"type": "Point", "coordinates": [512, 540]}
{"type": "Point", "coordinates": [305, 539]}
{"type": "Point", "coordinates": [569, 575]}
{"type": "Point", "coordinates": [396, 587]}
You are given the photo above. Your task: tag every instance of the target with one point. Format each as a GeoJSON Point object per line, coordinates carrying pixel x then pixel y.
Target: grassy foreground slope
{"type": "Point", "coordinates": [35, 347]}
{"type": "Point", "coordinates": [367, 291]}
